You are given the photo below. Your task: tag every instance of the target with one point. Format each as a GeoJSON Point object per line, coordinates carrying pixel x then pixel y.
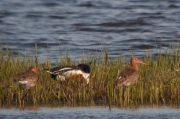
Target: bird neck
{"type": "Point", "coordinates": [134, 65]}
{"type": "Point", "coordinates": [34, 70]}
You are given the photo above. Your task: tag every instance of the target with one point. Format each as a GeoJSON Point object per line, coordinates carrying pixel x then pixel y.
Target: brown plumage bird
{"type": "Point", "coordinates": [129, 75]}
{"type": "Point", "coordinates": [27, 79]}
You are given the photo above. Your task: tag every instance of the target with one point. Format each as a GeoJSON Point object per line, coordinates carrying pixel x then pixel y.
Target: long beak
{"type": "Point", "coordinates": [141, 62]}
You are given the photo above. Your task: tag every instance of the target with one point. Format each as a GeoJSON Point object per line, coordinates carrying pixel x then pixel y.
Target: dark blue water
{"type": "Point", "coordinates": [90, 113]}
{"type": "Point", "coordinates": [85, 27]}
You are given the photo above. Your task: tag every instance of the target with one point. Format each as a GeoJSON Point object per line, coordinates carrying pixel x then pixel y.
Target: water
{"type": "Point", "coordinates": [85, 27]}
{"type": "Point", "coordinates": [91, 113]}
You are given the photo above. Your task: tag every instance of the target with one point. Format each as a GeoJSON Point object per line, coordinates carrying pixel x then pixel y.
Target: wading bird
{"type": "Point", "coordinates": [129, 75]}
{"type": "Point", "coordinates": [82, 71]}
{"type": "Point", "coordinates": [26, 80]}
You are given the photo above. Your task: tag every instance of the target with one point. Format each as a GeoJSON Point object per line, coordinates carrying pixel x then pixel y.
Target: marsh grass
{"type": "Point", "coordinates": [158, 83]}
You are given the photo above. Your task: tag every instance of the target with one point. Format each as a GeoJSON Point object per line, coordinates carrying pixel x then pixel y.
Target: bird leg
{"type": "Point", "coordinates": [23, 95]}
{"type": "Point", "coordinates": [123, 92]}
{"type": "Point", "coordinates": [22, 101]}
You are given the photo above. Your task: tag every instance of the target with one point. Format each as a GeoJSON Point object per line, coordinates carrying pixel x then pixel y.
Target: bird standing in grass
{"type": "Point", "coordinates": [82, 71]}
{"type": "Point", "coordinates": [26, 80]}
{"type": "Point", "coordinates": [129, 75]}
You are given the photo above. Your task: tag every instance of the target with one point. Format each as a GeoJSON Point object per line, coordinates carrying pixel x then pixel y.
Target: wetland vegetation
{"type": "Point", "coordinates": [158, 84]}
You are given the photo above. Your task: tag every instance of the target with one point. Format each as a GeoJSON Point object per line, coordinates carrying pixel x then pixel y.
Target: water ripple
{"type": "Point", "coordinates": [83, 25]}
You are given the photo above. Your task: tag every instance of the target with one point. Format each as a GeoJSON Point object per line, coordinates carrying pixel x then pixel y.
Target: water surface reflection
{"type": "Point", "coordinates": [91, 113]}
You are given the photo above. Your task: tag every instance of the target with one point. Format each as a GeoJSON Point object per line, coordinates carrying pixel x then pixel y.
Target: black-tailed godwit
{"type": "Point", "coordinates": [129, 75]}
{"type": "Point", "coordinates": [26, 80]}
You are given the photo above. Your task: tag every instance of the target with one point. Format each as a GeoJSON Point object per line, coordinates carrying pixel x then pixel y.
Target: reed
{"type": "Point", "coordinates": [158, 83]}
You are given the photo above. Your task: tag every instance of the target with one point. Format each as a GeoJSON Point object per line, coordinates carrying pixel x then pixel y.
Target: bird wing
{"type": "Point", "coordinates": [126, 77]}
{"type": "Point", "coordinates": [61, 70]}
{"type": "Point", "coordinates": [26, 76]}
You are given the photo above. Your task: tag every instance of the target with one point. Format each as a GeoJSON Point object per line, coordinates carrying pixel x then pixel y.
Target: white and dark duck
{"type": "Point", "coordinates": [81, 71]}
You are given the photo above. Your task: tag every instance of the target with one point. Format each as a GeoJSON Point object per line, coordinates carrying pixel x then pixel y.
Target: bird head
{"type": "Point", "coordinates": [136, 60]}
{"type": "Point", "coordinates": [84, 67]}
{"type": "Point", "coordinates": [33, 68]}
